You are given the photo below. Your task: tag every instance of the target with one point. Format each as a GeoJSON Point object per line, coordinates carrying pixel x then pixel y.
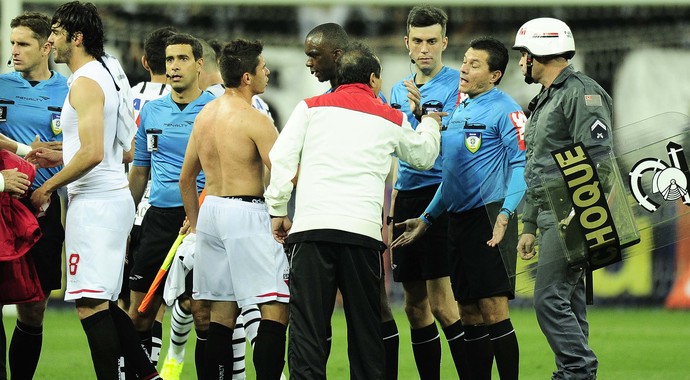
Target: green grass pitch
{"type": "Point", "coordinates": [631, 343]}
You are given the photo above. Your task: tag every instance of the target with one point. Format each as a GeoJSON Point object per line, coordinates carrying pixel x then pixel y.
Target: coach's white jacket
{"type": "Point", "coordinates": [343, 142]}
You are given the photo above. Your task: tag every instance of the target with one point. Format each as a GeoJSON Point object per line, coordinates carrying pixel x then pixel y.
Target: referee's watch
{"type": "Point", "coordinates": [427, 218]}
{"type": "Point", "coordinates": [507, 212]}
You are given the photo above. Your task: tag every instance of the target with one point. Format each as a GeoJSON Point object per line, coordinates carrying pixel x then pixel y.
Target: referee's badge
{"type": "Point", "coordinates": [473, 141]}
{"type": "Point", "coordinates": [55, 124]}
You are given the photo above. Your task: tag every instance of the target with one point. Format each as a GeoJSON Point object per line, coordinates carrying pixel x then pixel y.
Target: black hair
{"type": "Point", "coordinates": [217, 47]}
{"type": "Point", "coordinates": [425, 15]}
{"type": "Point", "coordinates": [76, 17]}
{"type": "Point", "coordinates": [333, 34]}
{"type": "Point", "coordinates": [154, 48]}
{"type": "Point", "coordinates": [186, 39]}
{"type": "Point", "coordinates": [497, 52]}
{"type": "Point", "coordinates": [356, 65]}
{"type": "Point", "coordinates": [210, 55]}
{"type": "Point", "coordinates": [238, 57]}
{"type": "Point", "coordinates": [37, 22]}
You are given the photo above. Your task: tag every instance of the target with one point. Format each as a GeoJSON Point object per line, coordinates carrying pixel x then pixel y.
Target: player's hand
{"type": "Point", "coordinates": [436, 116]}
{"type": "Point", "coordinates": [414, 96]}
{"type": "Point", "coordinates": [54, 145]}
{"type": "Point", "coordinates": [281, 227]}
{"type": "Point", "coordinates": [499, 230]}
{"type": "Point", "coordinates": [414, 229]}
{"type": "Point", "coordinates": [45, 157]}
{"type": "Point", "coordinates": [185, 226]}
{"type": "Point", "coordinates": [525, 246]}
{"type": "Point", "coordinates": [16, 182]}
{"type": "Point", "coordinates": [40, 199]}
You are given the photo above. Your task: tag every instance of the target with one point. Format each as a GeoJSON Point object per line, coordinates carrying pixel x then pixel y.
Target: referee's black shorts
{"type": "Point", "coordinates": [47, 252]}
{"type": "Point", "coordinates": [480, 271]}
{"type": "Point", "coordinates": [427, 258]}
{"type": "Point", "coordinates": [159, 229]}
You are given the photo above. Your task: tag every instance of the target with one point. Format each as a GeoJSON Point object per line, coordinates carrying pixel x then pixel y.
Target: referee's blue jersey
{"type": "Point", "coordinates": [27, 111]}
{"type": "Point", "coordinates": [480, 148]}
{"type": "Point", "coordinates": [166, 163]}
{"type": "Point", "coordinates": [443, 88]}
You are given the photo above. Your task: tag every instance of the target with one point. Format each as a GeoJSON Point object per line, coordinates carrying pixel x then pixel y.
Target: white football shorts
{"type": "Point", "coordinates": [236, 257]}
{"type": "Point", "coordinates": [96, 230]}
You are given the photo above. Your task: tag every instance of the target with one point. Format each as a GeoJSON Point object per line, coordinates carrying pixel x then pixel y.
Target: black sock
{"type": "Point", "coordinates": [329, 341]}
{"type": "Point", "coordinates": [145, 339]}
{"type": "Point", "coordinates": [391, 344]}
{"type": "Point", "coordinates": [25, 349]}
{"type": "Point", "coordinates": [455, 335]}
{"type": "Point", "coordinates": [269, 350]}
{"type": "Point", "coordinates": [479, 351]}
{"type": "Point", "coordinates": [506, 349]}
{"type": "Point", "coordinates": [136, 359]}
{"type": "Point", "coordinates": [101, 334]}
{"type": "Point", "coordinates": [3, 353]}
{"type": "Point", "coordinates": [200, 354]}
{"type": "Point", "coordinates": [156, 342]}
{"type": "Point", "coordinates": [426, 347]}
{"type": "Point", "coordinates": [219, 355]}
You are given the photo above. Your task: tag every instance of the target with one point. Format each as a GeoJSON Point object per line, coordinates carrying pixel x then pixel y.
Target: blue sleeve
{"type": "Point", "coordinates": [382, 97]}
{"type": "Point", "coordinates": [512, 129]}
{"type": "Point", "coordinates": [516, 188]}
{"type": "Point", "coordinates": [142, 157]}
{"type": "Point", "coordinates": [399, 96]}
{"type": "Point", "coordinates": [436, 207]}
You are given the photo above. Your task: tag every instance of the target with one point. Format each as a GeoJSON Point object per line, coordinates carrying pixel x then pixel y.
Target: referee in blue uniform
{"type": "Point", "coordinates": [423, 267]}
{"type": "Point", "coordinates": [168, 120]}
{"type": "Point", "coordinates": [483, 166]}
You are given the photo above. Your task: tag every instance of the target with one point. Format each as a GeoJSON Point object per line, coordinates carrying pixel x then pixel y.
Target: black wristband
{"type": "Point", "coordinates": [389, 220]}
{"type": "Point", "coordinates": [505, 210]}
{"type": "Point", "coordinates": [429, 217]}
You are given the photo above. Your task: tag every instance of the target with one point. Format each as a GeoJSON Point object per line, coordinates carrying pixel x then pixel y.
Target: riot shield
{"type": "Point", "coordinates": [605, 202]}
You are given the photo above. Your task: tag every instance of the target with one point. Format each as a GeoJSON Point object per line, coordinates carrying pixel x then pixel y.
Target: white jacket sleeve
{"type": "Point", "coordinates": [285, 157]}
{"type": "Point", "coordinates": [419, 147]}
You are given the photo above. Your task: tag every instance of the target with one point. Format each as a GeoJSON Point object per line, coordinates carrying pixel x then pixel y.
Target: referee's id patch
{"type": "Point", "coordinates": [473, 141]}
{"type": "Point", "coordinates": [3, 113]}
{"type": "Point", "coordinates": [593, 100]}
{"type": "Point", "coordinates": [55, 124]}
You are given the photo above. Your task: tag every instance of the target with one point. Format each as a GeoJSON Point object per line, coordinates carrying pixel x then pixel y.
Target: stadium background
{"type": "Point", "coordinates": [637, 50]}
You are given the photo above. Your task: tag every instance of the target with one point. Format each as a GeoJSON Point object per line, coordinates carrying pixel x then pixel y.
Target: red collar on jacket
{"type": "Point", "coordinates": [357, 97]}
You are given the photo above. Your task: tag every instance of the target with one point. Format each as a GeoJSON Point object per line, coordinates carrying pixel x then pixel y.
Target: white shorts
{"type": "Point", "coordinates": [96, 230]}
{"type": "Point", "coordinates": [236, 257]}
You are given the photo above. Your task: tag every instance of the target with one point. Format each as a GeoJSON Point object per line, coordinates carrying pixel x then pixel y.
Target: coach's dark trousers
{"type": "Point", "coordinates": [317, 270]}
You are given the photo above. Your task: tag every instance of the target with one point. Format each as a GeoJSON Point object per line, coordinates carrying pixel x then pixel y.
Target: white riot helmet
{"type": "Point", "coordinates": [545, 36]}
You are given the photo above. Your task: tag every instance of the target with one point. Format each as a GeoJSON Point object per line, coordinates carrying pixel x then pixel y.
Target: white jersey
{"type": "Point", "coordinates": [218, 89]}
{"type": "Point", "coordinates": [144, 92]}
{"type": "Point", "coordinates": [108, 174]}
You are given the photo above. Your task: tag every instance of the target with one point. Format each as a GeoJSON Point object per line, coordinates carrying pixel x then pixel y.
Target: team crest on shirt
{"type": "Point", "coordinates": [473, 141]}
{"type": "Point", "coordinates": [55, 124]}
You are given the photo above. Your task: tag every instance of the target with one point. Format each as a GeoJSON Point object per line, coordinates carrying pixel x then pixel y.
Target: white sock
{"type": "Point", "coordinates": [239, 349]}
{"type": "Point", "coordinates": [252, 318]}
{"type": "Point", "coordinates": [180, 326]}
